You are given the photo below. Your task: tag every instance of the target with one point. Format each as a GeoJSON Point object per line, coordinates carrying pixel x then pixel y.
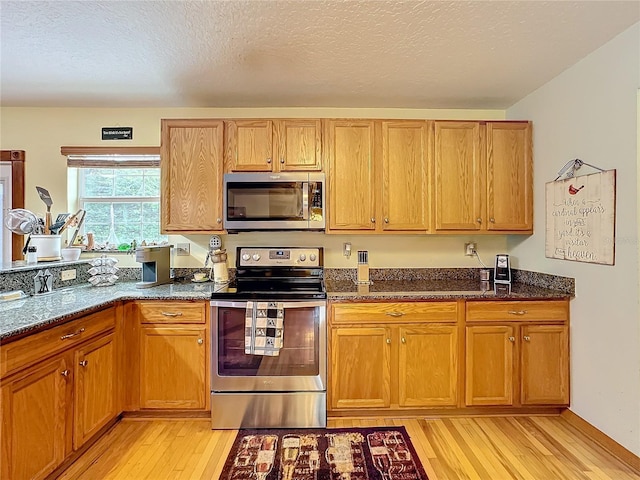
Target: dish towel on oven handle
{"type": "Point", "coordinates": [264, 328]}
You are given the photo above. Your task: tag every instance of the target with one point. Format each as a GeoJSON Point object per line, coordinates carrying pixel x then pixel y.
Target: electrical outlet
{"type": "Point", "coordinates": [183, 249]}
{"type": "Point", "coordinates": [346, 249]}
{"type": "Point", "coordinates": [68, 274]}
{"type": "Point", "coordinates": [470, 249]}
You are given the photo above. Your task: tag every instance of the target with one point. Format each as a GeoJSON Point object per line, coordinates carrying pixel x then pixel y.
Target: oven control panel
{"type": "Point", "coordinates": [280, 257]}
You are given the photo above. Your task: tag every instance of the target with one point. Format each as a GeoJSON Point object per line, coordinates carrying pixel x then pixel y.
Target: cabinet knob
{"type": "Point", "coordinates": [527, 338]}
{"type": "Point", "coordinates": [403, 340]}
{"type": "Point", "coordinates": [479, 220]}
{"type": "Point", "coordinates": [386, 219]}
{"type": "Point", "coordinates": [282, 161]}
{"type": "Point", "coordinates": [71, 335]}
{"type": "Point", "coordinates": [172, 314]}
{"type": "Point", "coordinates": [84, 363]}
{"type": "Point", "coordinates": [200, 341]}
{"type": "Point", "coordinates": [65, 373]}
{"type": "Point", "coordinates": [388, 341]}
{"type": "Point", "coordinates": [268, 160]}
{"type": "Point", "coordinates": [373, 220]}
{"type": "Point", "coordinates": [492, 220]}
{"type": "Point", "coordinates": [219, 220]}
{"type": "Point", "coordinates": [512, 339]}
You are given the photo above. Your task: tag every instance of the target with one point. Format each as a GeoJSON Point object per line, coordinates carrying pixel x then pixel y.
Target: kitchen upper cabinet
{"type": "Point", "coordinates": [509, 176]}
{"type": "Point", "coordinates": [36, 413]}
{"type": "Point", "coordinates": [458, 176]}
{"type": "Point", "coordinates": [405, 185]}
{"type": "Point", "coordinates": [191, 163]}
{"type": "Point", "coordinates": [95, 388]}
{"type": "Point", "coordinates": [378, 175]}
{"type": "Point", "coordinates": [350, 147]}
{"type": "Point", "coordinates": [483, 177]}
{"type": "Point", "coordinates": [273, 145]}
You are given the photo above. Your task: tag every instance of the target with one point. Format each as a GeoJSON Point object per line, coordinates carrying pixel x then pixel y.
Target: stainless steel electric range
{"type": "Point", "coordinates": [269, 341]}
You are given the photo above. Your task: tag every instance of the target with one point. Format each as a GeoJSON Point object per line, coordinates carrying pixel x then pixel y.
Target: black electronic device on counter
{"type": "Point", "coordinates": [502, 271]}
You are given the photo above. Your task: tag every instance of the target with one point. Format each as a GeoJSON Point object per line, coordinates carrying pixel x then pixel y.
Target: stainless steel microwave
{"type": "Point", "coordinates": [274, 201]}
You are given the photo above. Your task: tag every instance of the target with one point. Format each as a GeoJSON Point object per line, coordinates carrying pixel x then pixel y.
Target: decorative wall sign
{"type": "Point", "coordinates": [117, 133]}
{"type": "Point", "coordinates": [580, 218]}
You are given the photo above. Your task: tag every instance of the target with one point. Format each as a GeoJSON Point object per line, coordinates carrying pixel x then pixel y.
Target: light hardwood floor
{"type": "Point", "coordinates": [488, 448]}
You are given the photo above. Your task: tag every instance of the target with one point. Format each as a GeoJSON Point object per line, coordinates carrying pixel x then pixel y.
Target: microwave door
{"type": "Point", "coordinates": [305, 201]}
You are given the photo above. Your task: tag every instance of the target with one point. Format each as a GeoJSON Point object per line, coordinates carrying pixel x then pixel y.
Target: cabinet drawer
{"type": "Point", "coordinates": [40, 345]}
{"type": "Point", "coordinates": [517, 311]}
{"type": "Point", "coordinates": [172, 312]}
{"type": "Point", "coordinates": [388, 312]}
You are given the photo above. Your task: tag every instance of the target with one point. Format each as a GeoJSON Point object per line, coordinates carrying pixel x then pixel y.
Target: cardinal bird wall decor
{"type": "Point", "coordinates": [573, 190]}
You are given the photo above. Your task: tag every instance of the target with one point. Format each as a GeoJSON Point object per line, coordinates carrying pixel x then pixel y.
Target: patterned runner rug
{"type": "Point", "coordinates": [378, 453]}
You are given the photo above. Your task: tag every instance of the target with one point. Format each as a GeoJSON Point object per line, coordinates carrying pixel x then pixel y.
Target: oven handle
{"type": "Point", "coordinates": [285, 305]}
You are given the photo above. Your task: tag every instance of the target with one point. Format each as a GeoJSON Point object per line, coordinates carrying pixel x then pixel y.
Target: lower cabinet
{"type": "Point", "coordinates": [54, 402]}
{"type": "Point", "coordinates": [522, 362]}
{"type": "Point", "coordinates": [410, 363]}
{"type": "Point", "coordinates": [172, 367]}
{"type": "Point", "coordinates": [172, 354]}
{"type": "Point", "coordinates": [36, 408]}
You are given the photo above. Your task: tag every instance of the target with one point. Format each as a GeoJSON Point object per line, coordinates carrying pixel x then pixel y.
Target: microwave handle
{"type": "Point", "coordinates": [305, 200]}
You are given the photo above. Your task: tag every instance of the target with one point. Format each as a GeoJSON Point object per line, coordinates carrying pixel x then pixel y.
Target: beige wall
{"type": "Point", "coordinates": [42, 131]}
{"type": "Point", "coordinates": [590, 112]}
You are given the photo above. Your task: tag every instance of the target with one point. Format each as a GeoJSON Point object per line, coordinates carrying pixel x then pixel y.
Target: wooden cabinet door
{"type": "Point", "coordinates": [458, 176]}
{"type": "Point", "coordinates": [191, 166]}
{"type": "Point", "coordinates": [95, 388]}
{"type": "Point", "coordinates": [545, 365]}
{"type": "Point", "coordinates": [250, 145]}
{"type": "Point", "coordinates": [36, 420]}
{"type": "Point", "coordinates": [360, 367]}
{"type": "Point", "coordinates": [351, 151]}
{"type": "Point", "coordinates": [509, 176]}
{"type": "Point", "coordinates": [405, 187]}
{"type": "Point", "coordinates": [489, 362]}
{"type": "Point", "coordinates": [173, 367]}
{"type": "Point", "coordinates": [428, 366]}
{"type": "Point", "coordinates": [298, 144]}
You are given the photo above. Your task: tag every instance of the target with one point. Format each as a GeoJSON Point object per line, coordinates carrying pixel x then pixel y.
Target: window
{"type": "Point", "coordinates": [120, 193]}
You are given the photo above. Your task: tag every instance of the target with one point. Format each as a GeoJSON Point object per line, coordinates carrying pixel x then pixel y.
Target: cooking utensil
{"type": "Point", "coordinates": [46, 198]}
{"type": "Point", "coordinates": [72, 220]}
{"type": "Point", "coordinates": [57, 225]}
{"type": "Point", "coordinates": [82, 214]}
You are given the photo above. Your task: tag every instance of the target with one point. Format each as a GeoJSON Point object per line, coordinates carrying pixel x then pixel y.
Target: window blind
{"type": "Point", "coordinates": [112, 157]}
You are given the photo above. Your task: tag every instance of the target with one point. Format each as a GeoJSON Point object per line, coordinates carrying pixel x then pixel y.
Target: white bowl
{"type": "Point", "coordinates": [71, 253]}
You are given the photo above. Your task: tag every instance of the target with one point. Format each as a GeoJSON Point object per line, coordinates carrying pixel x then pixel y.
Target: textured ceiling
{"type": "Point", "coordinates": [262, 53]}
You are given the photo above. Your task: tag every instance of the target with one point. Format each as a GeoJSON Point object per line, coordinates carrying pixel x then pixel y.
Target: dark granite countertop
{"type": "Point", "coordinates": [33, 313]}
{"type": "Point", "coordinates": [425, 289]}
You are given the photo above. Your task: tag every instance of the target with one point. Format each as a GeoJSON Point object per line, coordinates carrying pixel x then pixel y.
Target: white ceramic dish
{"type": "Point", "coordinates": [71, 253]}
{"type": "Point", "coordinates": [202, 280]}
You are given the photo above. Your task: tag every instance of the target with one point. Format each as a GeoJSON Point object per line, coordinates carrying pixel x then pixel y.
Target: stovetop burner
{"type": "Point", "coordinates": [276, 274]}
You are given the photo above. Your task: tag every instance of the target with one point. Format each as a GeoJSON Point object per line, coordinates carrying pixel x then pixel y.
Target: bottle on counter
{"type": "Point", "coordinates": [32, 255]}
{"type": "Point", "coordinates": [220, 270]}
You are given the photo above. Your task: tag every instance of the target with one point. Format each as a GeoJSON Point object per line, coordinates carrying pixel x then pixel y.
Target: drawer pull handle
{"type": "Point", "coordinates": [64, 373]}
{"type": "Point", "coordinates": [395, 314]}
{"type": "Point", "coordinates": [388, 341]}
{"type": "Point", "coordinates": [517, 312]}
{"type": "Point", "coordinates": [527, 338]}
{"type": "Point", "coordinates": [512, 339]}
{"type": "Point", "coordinates": [172, 314]}
{"type": "Point", "coordinates": [71, 335]}
{"type": "Point", "coordinates": [84, 363]}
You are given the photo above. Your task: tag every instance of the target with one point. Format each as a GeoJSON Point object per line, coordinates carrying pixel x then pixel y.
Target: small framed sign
{"type": "Point", "coordinates": [117, 133]}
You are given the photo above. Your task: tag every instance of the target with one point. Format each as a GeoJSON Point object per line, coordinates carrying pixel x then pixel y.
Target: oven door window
{"type": "Point", "coordinates": [299, 355]}
{"type": "Point", "coordinates": [264, 201]}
